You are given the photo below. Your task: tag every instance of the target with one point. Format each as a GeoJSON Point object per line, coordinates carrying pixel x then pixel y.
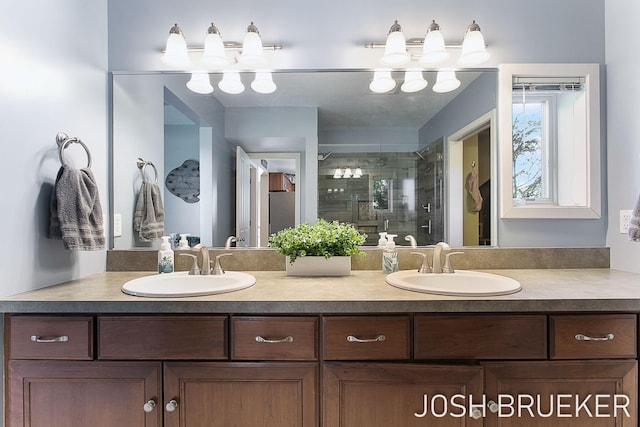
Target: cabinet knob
{"type": "Point", "coordinates": [493, 406]}
{"type": "Point", "coordinates": [150, 406]}
{"type": "Point", "coordinates": [171, 406]}
{"type": "Point", "coordinates": [476, 414]}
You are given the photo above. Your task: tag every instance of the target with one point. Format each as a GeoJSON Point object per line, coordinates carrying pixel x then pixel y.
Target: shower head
{"type": "Point", "coordinates": [417, 153]}
{"type": "Point", "coordinates": [324, 156]}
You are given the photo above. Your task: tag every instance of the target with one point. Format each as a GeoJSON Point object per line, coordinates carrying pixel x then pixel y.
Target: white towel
{"type": "Point", "coordinates": [75, 210]}
{"type": "Point", "coordinates": [634, 223]}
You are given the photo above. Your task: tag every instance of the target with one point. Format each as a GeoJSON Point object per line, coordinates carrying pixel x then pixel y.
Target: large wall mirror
{"type": "Point", "coordinates": [321, 145]}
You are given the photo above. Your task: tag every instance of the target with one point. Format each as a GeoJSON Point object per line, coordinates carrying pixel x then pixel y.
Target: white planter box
{"type": "Point", "coordinates": [319, 266]}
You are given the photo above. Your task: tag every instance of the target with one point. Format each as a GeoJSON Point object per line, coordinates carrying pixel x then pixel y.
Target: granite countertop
{"type": "Point", "coordinates": [364, 291]}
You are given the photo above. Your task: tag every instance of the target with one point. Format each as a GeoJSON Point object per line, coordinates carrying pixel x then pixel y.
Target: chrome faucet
{"type": "Point", "coordinates": [205, 270]}
{"type": "Point", "coordinates": [412, 241]}
{"type": "Point", "coordinates": [437, 256]}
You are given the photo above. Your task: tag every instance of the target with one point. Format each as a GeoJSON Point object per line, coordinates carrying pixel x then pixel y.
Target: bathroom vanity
{"type": "Point", "coordinates": [329, 352]}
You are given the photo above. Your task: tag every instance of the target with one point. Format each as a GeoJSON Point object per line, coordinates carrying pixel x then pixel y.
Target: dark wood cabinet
{"type": "Point", "coordinates": [56, 393]}
{"type": "Point", "coordinates": [267, 394]}
{"type": "Point", "coordinates": [279, 181]}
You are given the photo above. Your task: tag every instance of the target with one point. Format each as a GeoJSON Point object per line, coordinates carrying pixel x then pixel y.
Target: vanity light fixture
{"type": "Point", "coordinates": [395, 49]}
{"type": "Point", "coordinates": [214, 53]}
{"type": "Point", "coordinates": [200, 83]}
{"type": "Point", "coordinates": [434, 51]}
{"type": "Point", "coordinates": [382, 81]}
{"type": "Point", "coordinates": [263, 82]}
{"type": "Point", "coordinates": [413, 81]}
{"type": "Point", "coordinates": [357, 173]}
{"type": "Point", "coordinates": [337, 174]}
{"type": "Point", "coordinates": [347, 173]}
{"type": "Point", "coordinates": [446, 81]}
{"type": "Point", "coordinates": [474, 51]}
{"type": "Point", "coordinates": [231, 82]}
{"type": "Point", "coordinates": [252, 50]}
{"type": "Point", "coordinates": [176, 53]}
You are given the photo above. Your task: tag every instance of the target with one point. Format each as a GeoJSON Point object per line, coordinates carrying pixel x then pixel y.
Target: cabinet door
{"type": "Point", "coordinates": [573, 393]}
{"type": "Point", "coordinates": [266, 394]}
{"type": "Point", "coordinates": [400, 395]}
{"type": "Point", "coordinates": [80, 394]}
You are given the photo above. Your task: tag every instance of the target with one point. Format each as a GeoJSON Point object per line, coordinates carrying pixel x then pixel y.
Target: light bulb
{"type": "Point", "coordinates": [252, 51]}
{"type": "Point", "coordinates": [214, 53]}
{"type": "Point", "coordinates": [263, 82]}
{"type": "Point", "coordinates": [413, 81]}
{"type": "Point", "coordinates": [446, 81]}
{"type": "Point", "coordinates": [395, 49]}
{"type": "Point", "coordinates": [434, 51]}
{"type": "Point", "coordinates": [338, 173]}
{"type": "Point", "coordinates": [347, 173]}
{"type": "Point", "coordinates": [176, 53]}
{"type": "Point", "coordinates": [473, 51]}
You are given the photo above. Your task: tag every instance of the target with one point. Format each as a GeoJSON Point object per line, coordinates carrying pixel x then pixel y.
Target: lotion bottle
{"type": "Point", "coordinates": [165, 256]}
{"type": "Point", "coordinates": [390, 255]}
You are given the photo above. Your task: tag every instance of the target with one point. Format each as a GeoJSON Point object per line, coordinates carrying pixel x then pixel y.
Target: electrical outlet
{"type": "Point", "coordinates": [625, 218]}
{"type": "Point", "coordinates": [117, 225]}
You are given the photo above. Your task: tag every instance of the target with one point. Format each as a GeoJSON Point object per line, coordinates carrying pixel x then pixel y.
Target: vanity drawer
{"type": "Point", "coordinates": [593, 336]}
{"type": "Point", "coordinates": [50, 337]}
{"type": "Point", "coordinates": [366, 337]}
{"type": "Point", "coordinates": [274, 338]}
{"type": "Point", "coordinates": [162, 337]}
{"type": "Point", "coordinates": [480, 337]}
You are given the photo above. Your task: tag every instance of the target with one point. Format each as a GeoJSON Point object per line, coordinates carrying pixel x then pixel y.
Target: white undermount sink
{"type": "Point", "coordinates": [460, 283]}
{"type": "Point", "coordinates": [181, 284]}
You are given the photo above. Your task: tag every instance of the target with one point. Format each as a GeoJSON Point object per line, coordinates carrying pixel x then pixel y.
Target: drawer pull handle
{"type": "Point", "coordinates": [150, 406]}
{"type": "Point", "coordinates": [379, 338]}
{"type": "Point", "coordinates": [582, 337]}
{"type": "Point", "coordinates": [268, 341]}
{"type": "Point", "coordinates": [61, 338]}
{"type": "Point", "coordinates": [171, 406]}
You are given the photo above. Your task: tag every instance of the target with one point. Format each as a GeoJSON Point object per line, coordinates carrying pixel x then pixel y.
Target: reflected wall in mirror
{"type": "Point", "coordinates": [327, 120]}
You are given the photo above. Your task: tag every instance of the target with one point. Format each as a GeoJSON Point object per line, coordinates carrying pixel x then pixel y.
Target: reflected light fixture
{"type": "Point", "coordinates": [382, 81]}
{"type": "Point", "coordinates": [474, 51]}
{"type": "Point", "coordinates": [263, 82]}
{"type": "Point", "coordinates": [252, 50]}
{"type": "Point", "coordinates": [413, 81]}
{"type": "Point", "coordinates": [337, 174]}
{"type": "Point", "coordinates": [176, 53]}
{"type": "Point", "coordinates": [214, 53]}
{"type": "Point", "coordinates": [347, 173]}
{"type": "Point", "coordinates": [446, 81]}
{"type": "Point", "coordinates": [434, 51]}
{"type": "Point", "coordinates": [200, 83]}
{"type": "Point", "coordinates": [231, 82]}
{"type": "Point", "coordinates": [357, 173]}
{"type": "Point", "coordinates": [395, 49]}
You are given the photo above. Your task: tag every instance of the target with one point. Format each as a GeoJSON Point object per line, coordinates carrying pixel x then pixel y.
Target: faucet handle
{"type": "Point", "coordinates": [194, 267]}
{"type": "Point", "coordinates": [217, 268]}
{"type": "Point", "coordinates": [448, 268]}
{"type": "Point", "coordinates": [424, 268]}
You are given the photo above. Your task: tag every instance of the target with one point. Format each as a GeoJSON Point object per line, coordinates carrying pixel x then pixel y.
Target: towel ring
{"type": "Point", "coordinates": [142, 164]}
{"type": "Point", "coordinates": [63, 140]}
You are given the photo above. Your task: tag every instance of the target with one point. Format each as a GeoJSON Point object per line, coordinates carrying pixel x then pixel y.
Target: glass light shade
{"type": "Point", "coordinates": [347, 173]}
{"type": "Point", "coordinates": [413, 81]}
{"type": "Point", "coordinates": [231, 82]}
{"type": "Point", "coordinates": [337, 174]}
{"type": "Point", "coordinates": [263, 82]}
{"type": "Point", "coordinates": [395, 50]}
{"type": "Point", "coordinates": [473, 51]}
{"type": "Point", "coordinates": [200, 83]}
{"type": "Point", "coordinates": [382, 81]}
{"type": "Point", "coordinates": [434, 51]}
{"type": "Point", "coordinates": [358, 173]}
{"type": "Point", "coordinates": [252, 51]}
{"type": "Point", "coordinates": [446, 81]}
{"type": "Point", "coordinates": [176, 53]}
{"type": "Point", "coordinates": [214, 53]}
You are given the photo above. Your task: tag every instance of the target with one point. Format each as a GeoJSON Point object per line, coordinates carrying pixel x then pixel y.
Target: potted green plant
{"type": "Point", "coordinates": [321, 249]}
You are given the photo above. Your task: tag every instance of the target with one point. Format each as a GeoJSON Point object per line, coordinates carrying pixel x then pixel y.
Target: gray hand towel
{"type": "Point", "coordinates": [148, 217]}
{"type": "Point", "coordinates": [76, 213]}
{"type": "Point", "coordinates": [634, 223]}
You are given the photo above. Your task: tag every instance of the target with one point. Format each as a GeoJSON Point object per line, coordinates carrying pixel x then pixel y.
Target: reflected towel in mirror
{"type": "Point", "coordinates": [148, 217]}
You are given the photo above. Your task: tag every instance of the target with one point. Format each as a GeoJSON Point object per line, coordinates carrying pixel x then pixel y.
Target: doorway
{"type": "Point", "coordinates": [471, 184]}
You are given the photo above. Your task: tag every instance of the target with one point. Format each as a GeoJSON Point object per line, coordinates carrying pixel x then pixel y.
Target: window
{"type": "Point", "coordinates": [549, 141]}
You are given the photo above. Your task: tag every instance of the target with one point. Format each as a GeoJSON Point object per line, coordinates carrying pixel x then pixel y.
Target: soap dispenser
{"type": "Point", "coordinates": [183, 243]}
{"type": "Point", "coordinates": [165, 256]}
{"type": "Point", "coordinates": [390, 255]}
{"type": "Point", "coordinates": [382, 241]}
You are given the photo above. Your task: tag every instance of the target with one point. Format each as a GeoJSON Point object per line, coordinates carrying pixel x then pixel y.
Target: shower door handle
{"type": "Point", "coordinates": [427, 207]}
{"type": "Point", "coordinates": [427, 226]}
{"type": "Point", "coordinates": [386, 224]}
